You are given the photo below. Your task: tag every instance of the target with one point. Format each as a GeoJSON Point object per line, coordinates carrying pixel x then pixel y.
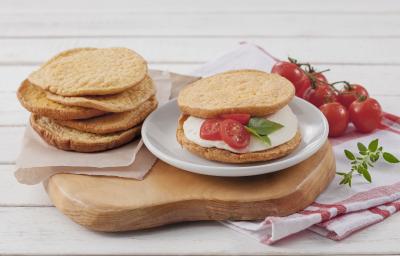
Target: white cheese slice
{"type": "Point", "coordinates": [285, 116]}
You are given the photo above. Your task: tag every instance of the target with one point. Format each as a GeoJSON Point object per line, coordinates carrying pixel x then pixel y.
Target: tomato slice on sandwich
{"type": "Point", "coordinates": [234, 134]}
{"type": "Point", "coordinates": [210, 129]}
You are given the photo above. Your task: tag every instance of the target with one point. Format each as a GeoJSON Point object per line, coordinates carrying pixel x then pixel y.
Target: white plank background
{"type": "Point", "coordinates": [358, 39]}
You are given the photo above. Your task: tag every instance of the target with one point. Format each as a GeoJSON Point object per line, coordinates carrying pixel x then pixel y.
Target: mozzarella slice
{"type": "Point", "coordinates": [285, 116]}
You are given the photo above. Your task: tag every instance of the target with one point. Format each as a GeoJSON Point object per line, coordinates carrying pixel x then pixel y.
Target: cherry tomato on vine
{"type": "Point", "coordinates": [234, 134]}
{"type": "Point", "coordinates": [320, 78]}
{"type": "Point", "coordinates": [294, 74]}
{"type": "Point", "coordinates": [365, 114]}
{"type": "Point", "coordinates": [210, 129]}
{"type": "Point", "coordinates": [350, 93]}
{"type": "Point", "coordinates": [337, 116]}
{"type": "Point", "coordinates": [241, 118]}
{"type": "Point", "coordinates": [320, 95]}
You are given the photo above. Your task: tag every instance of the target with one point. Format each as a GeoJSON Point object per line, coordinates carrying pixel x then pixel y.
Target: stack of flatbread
{"type": "Point", "coordinates": [89, 99]}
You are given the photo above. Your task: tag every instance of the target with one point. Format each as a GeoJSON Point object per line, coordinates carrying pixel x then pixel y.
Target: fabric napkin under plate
{"type": "Point", "coordinates": [339, 210]}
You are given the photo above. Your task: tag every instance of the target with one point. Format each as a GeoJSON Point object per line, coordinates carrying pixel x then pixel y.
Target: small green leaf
{"type": "Point", "coordinates": [361, 147]}
{"type": "Point", "coordinates": [361, 169]}
{"type": "Point", "coordinates": [349, 155]}
{"type": "Point", "coordinates": [373, 145]}
{"type": "Point", "coordinates": [264, 138]}
{"type": "Point", "coordinates": [263, 126]}
{"type": "Point", "coordinates": [390, 158]}
{"type": "Point", "coordinates": [366, 175]}
{"type": "Point", "coordinates": [380, 149]}
{"type": "Point", "coordinates": [374, 157]}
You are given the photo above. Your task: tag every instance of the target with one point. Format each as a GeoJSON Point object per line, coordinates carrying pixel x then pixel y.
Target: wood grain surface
{"type": "Point", "coordinates": [168, 195]}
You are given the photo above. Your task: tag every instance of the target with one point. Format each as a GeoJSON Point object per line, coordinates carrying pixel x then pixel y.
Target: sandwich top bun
{"type": "Point", "coordinates": [90, 71]}
{"type": "Point", "coordinates": [243, 91]}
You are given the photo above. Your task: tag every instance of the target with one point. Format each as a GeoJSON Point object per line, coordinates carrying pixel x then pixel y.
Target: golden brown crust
{"type": "Point", "coordinates": [116, 103]}
{"type": "Point", "coordinates": [113, 122]}
{"type": "Point", "coordinates": [222, 155]}
{"type": "Point", "coordinates": [73, 140]}
{"type": "Point", "coordinates": [90, 71]}
{"type": "Point", "coordinates": [34, 100]}
{"type": "Point", "coordinates": [242, 91]}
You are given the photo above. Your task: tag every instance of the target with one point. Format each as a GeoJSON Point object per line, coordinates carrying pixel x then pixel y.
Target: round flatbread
{"type": "Point", "coordinates": [90, 71]}
{"type": "Point", "coordinates": [121, 102]}
{"type": "Point", "coordinates": [113, 122]}
{"type": "Point", "coordinates": [73, 140]}
{"type": "Point", "coordinates": [226, 156]}
{"type": "Point", "coordinates": [243, 91]}
{"type": "Point", "coordinates": [34, 100]}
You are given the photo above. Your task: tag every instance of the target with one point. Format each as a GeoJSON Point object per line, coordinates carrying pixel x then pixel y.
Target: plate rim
{"type": "Point", "coordinates": [247, 170]}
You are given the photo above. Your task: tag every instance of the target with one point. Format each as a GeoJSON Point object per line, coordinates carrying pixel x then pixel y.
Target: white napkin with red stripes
{"type": "Point", "coordinates": [339, 211]}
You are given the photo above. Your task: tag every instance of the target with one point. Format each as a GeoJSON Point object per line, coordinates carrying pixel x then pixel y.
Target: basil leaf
{"type": "Point", "coordinates": [264, 138]}
{"type": "Point", "coordinates": [263, 126]}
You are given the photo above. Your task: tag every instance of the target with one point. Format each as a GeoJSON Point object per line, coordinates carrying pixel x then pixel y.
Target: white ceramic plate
{"type": "Point", "coordinates": [159, 131]}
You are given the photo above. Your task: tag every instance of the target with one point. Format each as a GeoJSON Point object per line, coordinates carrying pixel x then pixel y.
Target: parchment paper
{"type": "Point", "coordinates": [37, 160]}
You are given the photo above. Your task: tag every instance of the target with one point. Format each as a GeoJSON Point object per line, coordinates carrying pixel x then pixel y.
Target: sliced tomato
{"type": "Point", "coordinates": [241, 118]}
{"type": "Point", "coordinates": [234, 134]}
{"type": "Point", "coordinates": [210, 129]}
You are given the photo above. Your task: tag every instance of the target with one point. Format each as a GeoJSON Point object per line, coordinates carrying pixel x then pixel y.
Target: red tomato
{"type": "Point", "coordinates": [241, 118]}
{"type": "Point", "coordinates": [338, 118]}
{"type": "Point", "coordinates": [294, 74]}
{"type": "Point", "coordinates": [210, 129]}
{"type": "Point", "coordinates": [320, 95]}
{"type": "Point", "coordinates": [320, 78]}
{"type": "Point", "coordinates": [351, 93]}
{"type": "Point", "coordinates": [234, 134]}
{"type": "Point", "coordinates": [365, 114]}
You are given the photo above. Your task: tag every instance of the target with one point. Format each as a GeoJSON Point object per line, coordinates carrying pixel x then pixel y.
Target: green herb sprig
{"type": "Point", "coordinates": [366, 159]}
{"type": "Point", "coordinates": [261, 128]}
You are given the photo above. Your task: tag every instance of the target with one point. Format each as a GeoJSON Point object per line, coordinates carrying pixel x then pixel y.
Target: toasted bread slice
{"type": "Point", "coordinates": [243, 91]}
{"type": "Point", "coordinates": [121, 102]}
{"type": "Point", "coordinates": [34, 100]}
{"type": "Point", "coordinates": [90, 71]}
{"type": "Point", "coordinates": [226, 156]}
{"type": "Point", "coordinates": [113, 122]}
{"type": "Point", "coordinates": [66, 138]}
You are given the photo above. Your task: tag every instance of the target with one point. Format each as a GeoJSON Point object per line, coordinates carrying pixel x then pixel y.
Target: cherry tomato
{"type": "Point", "coordinates": [320, 78]}
{"type": "Point", "coordinates": [365, 114]}
{"type": "Point", "coordinates": [294, 74]}
{"type": "Point", "coordinates": [320, 95]}
{"type": "Point", "coordinates": [241, 118]}
{"type": "Point", "coordinates": [234, 134]}
{"type": "Point", "coordinates": [338, 118]}
{"type": "Point", "coordinates": [351, 93]}
{"type": "Point", "coordinates": [210, 129]}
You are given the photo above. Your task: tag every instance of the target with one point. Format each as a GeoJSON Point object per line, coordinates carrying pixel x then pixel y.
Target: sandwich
{"type": "Point", "coordinates": [238, 116]}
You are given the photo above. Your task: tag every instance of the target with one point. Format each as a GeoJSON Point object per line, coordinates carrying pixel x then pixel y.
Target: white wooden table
{"type": "Point", "coordinates": [359, 40]}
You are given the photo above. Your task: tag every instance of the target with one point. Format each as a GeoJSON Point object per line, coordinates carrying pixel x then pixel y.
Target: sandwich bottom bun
{"type": "Point", "coordinates": [225, 156]}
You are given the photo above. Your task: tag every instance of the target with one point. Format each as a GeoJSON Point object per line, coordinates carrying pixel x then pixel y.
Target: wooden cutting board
{"type": "Point", "coordinates": [169, 195]}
